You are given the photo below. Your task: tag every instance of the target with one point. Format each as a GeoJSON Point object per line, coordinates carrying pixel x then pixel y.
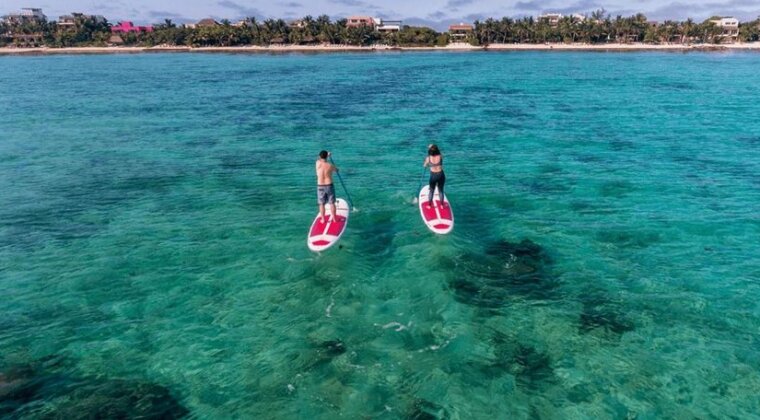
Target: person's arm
{"type": "Point", "coordinates": [332, 165]}
{"type": "Point", "coordinates": [425, 163]}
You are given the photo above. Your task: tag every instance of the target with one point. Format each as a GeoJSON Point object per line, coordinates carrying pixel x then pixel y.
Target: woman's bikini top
{"type": "Point", "coordinates": [435, 165]}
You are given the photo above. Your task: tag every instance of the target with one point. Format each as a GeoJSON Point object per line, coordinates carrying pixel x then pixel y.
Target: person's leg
{"type": "Point", "coordinates": [441, 181]}
{"type": "Point", "coordinates": [431, 191]}
{"type": "Point", "coordinates": [331, 197]}
{"type": "Point", "coordinates": [321, 202]}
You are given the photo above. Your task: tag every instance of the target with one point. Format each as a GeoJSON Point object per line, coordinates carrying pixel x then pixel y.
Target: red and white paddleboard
{"type": "Point", "coordinates": [324, 235]}
{"type": "Point", "coordinates": [439, 218]}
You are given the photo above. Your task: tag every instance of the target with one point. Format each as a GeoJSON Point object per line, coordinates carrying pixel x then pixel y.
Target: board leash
{"type": "Point", "coordinates": [340, 178]}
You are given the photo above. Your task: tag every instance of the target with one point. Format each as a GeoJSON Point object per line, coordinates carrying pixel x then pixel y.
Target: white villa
{"type": "Point", "coordinates": [377, 24]}
{"type": "Point", "coordinates": [730, 27]}
{"type": "Point", "coordinates": [577, 17]}
{"type": "Point", "coordinates": [553, 18]}
{"type": "Point", "coordinates": [388, 25]}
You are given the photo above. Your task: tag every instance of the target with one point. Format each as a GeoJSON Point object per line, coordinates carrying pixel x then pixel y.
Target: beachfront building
{"type": "Point", "coordinates": [206, 23]}
{"type": "Point", "coordinates": [25, 38]}
{"type": "Point", "coordinates": [459, 33]}
{"type": "Point", "coordinates": [66, 21]}
{"type": "Point", "coordinates": [358, 21]}
{"type": "Point", "coordinates": [551, 18]}
{"type": "Point", "coordinates": [26, 15]}
{"type": "Point", "coordinates": [730, 27]}
{"type": "Point", "coordinates": [115, 40]}
{"type": "Point", "coordinates": [28, 40]}
{"type": "Point", "coordinates": [127, 27]}
{"type": "Point", "coordinates": [578, 18]}
{"type": "Point", "coordinates": [243, 23]}
{"type": "Point", "coordinates": [70, 21]}
{"type": "Point", "coordinates": [388, 25]}
{"type": "Point", "coordinates": [373, 23]}
{"type": "Point", "coordinates": [300, 24]}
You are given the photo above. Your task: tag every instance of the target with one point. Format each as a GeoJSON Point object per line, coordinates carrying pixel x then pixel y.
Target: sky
{"type": "Point", "coordinates": [434, 13]}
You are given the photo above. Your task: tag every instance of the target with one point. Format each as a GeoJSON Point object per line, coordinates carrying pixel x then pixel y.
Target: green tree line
{"type": "Point", "coordinates": [598, 28]}
{"type": "Point", "coordinates": [276, 31]}
{"type": "Point", "coordinates": [601, 28]}
{"type": "Point", "coordinates": [85, 31]}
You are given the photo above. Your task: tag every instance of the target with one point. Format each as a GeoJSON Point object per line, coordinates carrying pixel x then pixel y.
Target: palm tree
{"type": "Point", "coordinates": [523, 29]}
{"type": "Point", "coordinates": [710, 32]}
{"type": "Point", "coordinates": [687, 31]}
{"type": "Point", "coordinates": [599, 15]}
{"type": "Point", "coordinates": [504, 30]}
{"type": "Point", "coordinates": [750, 31]}
{"type": "Point", "coordinates": [255, 31]}
{"type": "Point", "coordinates": [566, 29]}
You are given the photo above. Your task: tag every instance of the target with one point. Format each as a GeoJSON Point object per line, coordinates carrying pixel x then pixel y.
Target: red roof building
{"type": "Point", "coordinates": [459, 33]}
{"type": "Point", "coordinates": [357, 21]}
{"type": "Point", "coordinates": [462, 27]}
{"type": "Point", "coordinates": [127, 26]}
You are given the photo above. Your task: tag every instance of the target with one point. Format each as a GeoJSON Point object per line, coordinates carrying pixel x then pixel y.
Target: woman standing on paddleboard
{"type": "Point", "coordinates": [434, 161]}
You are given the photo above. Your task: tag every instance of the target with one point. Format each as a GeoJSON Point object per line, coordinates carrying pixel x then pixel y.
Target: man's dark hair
{"type": "Point", "coordinates": [323, 154]}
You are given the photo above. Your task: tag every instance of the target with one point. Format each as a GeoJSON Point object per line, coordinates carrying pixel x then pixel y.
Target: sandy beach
{"type": "Point", "coordinates": [755, 46]}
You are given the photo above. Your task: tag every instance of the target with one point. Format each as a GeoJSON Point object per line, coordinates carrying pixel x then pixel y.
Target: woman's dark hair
{"type": "Point", "coordinates": [323, 154]}
{"type": "Point", "coordinates": [433, 150]}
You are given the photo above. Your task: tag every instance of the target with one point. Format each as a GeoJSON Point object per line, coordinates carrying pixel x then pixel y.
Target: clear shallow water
{"type": "Point", "coordinates": [605, 261]}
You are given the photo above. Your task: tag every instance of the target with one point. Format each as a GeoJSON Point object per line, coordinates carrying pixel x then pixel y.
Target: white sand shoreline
{"type": "Point", "coordinates": [755, 46]}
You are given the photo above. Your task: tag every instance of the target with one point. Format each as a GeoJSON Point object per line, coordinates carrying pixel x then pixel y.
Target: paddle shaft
{"type": "Point", "coordinates": [340, 178]}
{"type": "Point", "coordinates": [422, 179]}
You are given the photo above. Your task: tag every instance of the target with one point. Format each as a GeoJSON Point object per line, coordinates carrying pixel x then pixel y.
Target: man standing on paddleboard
{"type": "Point", "coordinates": [325, 187]}
{"type": "Point", "coordinates": [434, 161]}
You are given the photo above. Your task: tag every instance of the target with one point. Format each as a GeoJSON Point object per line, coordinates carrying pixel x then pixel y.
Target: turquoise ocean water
{"type": "Point", "coordinates": [605, 261]}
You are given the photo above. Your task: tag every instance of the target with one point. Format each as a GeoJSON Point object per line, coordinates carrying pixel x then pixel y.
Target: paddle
{"type": "Point", "coordinates": [419, 187]}
{"type": "Point", "coordinates": [340, 178]}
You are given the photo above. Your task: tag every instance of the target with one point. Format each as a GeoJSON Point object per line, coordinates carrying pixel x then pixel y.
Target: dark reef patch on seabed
{"type": "Point", "coordinates": [29, 391]}
{"type": "Point", "coordinates": [331, 348]}
{"type": "Point", "coordinates": [376, 232]}
{"type": "Point", "coordinates": [615, 188]}
{"type": "Point", "coordinates": [503, 271]}
{"type": "Point", "coordinates": [489, 91]}
{"type": "Point", "coordinates": [628, 239]}
{"type": "Point", "coordinates": [68, 212]}
{"type": "Point", "coordinates": [589, 207]}
{"type": "Point", "coordinates": [434, 129]}
{"type": "Point", "coordinates": [547, 185]}
{"type": "Point", "coordinates": [421, 409]}
{"type": "Point", "coordinates": [531, 367]}
{"type": "Point", "coordinates": [658, 84]}
{"type": "Point", "coordinates": [618, 145]}
{"type": "Point", "coordinates": [469, 220]}
{"type": "Point", "coordinates": [750, 140]}
{"type": "Point", "coordinates": [601, 314]}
